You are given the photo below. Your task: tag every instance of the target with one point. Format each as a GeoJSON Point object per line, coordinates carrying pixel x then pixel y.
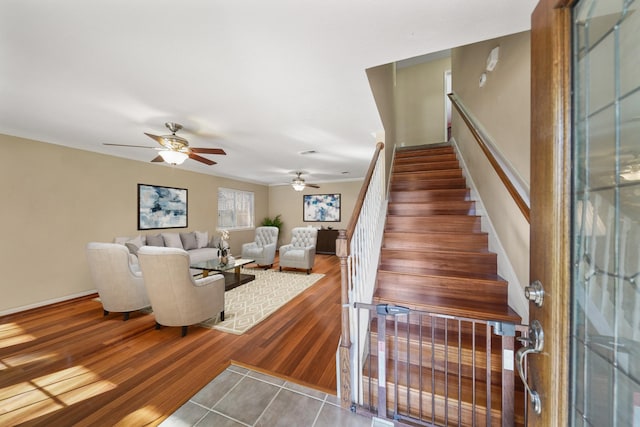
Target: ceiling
{"type": "Point", "coordinates": [264, 80]}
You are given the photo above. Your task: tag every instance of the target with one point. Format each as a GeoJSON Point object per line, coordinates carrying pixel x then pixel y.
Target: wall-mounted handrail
{"type": "Point", "coordinates": [507, 177]}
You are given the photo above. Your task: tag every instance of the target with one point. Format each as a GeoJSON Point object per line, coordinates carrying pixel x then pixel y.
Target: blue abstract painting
{"type": "Point", "coordinates": [321, 207]}
{"type": "Point", "coordinates": [161, 207]}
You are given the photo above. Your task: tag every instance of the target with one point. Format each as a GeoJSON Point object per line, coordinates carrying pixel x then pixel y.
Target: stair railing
{"type": "Point", "coordinates": [358, 248]}
{"type": "Point", "coordinates": [511, 180]}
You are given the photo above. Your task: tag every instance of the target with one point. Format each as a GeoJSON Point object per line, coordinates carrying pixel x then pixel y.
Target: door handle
{"type": "Point", "coordinates": [534, 344]}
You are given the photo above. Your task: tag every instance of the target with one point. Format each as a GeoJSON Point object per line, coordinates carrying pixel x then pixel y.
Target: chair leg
{"type": "Point", "coordinates": [280, 268]}
{"type": "Point", "coordinates": [105, 313]}
{"type": "Point", "coordinates": [308, 271]}
{"type": "Point", "coordinates": [184, 331]}
{"type": "Point", "coordinates": [158, 326]}
{"type": "Point", "coordinates": [126, 316]}
{"type": "Point", "coordinates": [222, 316]}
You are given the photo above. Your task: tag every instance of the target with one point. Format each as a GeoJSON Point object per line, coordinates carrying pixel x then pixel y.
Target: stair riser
{"type": "Point", "coordinates": [432, 184]}
{"type": "Point", "coordinates": [480, 263]}
{"type": "Point", "coordinates": [455, 223]}
{"type": "Point", "coordinates": [441, 352]}
{"type": "Point", "coordinates": [433, 208]}
{"type": "Point", "coordinates": [426, 175]}
{"type": "Point", "coordinates": [425, 159]}
{"type": "Point", "coordinates": [429, 195]}
{"type": "Point", "coordinates": [438, 293]}
{"type": "Point", "coordinates": [436, 241]}
{"type": "Point", "coordinates": [426, 166]}
{"type": "Point", "coordinates": [424, 152]}
{"type": "Point", "coordinates": [424, 411]}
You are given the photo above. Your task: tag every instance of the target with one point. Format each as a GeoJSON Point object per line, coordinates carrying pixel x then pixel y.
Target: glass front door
{"type": "Point", "coordinates": [605, 331]}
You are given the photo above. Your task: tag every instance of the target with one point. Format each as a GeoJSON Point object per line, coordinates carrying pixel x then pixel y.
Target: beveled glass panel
{"type": "Point", "coordinates": [601, 83]}
{"type": "Point", "coordinates": [630, 49]}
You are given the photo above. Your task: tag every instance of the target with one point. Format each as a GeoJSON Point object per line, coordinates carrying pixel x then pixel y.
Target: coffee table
{"type": "Point", "coordinates": [231, 279]}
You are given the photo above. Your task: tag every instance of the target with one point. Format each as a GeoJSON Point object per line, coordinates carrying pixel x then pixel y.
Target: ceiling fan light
{"type": "Point", "coordinates": [173, 157]}
{"type": "Point", "coordinates": [297, 184]}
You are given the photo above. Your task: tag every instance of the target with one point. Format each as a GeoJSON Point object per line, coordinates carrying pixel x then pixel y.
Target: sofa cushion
{"type": "Point", "coordinates": [155, 240]}
{"type": "Point", "coordinates": [202, 254]}
{"type": "Point", "coordinates": [172, 240]}
{"type": "Point", "coordinates": [188, 241]}
{"type": "Point", "coordinates": [202, 239]}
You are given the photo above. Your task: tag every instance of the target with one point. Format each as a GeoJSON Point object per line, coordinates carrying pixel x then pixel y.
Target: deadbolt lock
{"type": "Point", "coordinates": [535, 293]}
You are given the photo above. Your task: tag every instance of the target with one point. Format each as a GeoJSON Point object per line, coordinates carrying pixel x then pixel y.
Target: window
{"type": "Point", "coordinates": [235, 209]}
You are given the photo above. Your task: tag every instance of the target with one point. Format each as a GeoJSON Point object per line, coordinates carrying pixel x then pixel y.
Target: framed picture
{"type": "Point", "coordinates": [321, 208]}
{"type": "Point", "coordinates": [161, 207]}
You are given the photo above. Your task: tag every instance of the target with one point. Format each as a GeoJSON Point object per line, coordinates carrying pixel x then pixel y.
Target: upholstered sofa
{"type": "Point", "coordinates": [196, 243]}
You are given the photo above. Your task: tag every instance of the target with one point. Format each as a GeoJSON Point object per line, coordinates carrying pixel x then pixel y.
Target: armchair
{"type": "Point", "coordinates": [176, 297]}
{"type": "Point", "coordinates": [263, 248]}
{"type": "Point", "coordinates": [120, 284]}
{"type": "Point", "coordinates": [301, 252]}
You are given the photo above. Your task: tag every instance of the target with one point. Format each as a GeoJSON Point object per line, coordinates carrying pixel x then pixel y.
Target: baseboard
{"type": "Point", "coordinates": [47, 302]}
{"type": "Point", "coordinates": [517, 300]}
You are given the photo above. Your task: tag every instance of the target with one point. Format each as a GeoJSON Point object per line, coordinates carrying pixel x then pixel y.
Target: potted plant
{"type": "Point", "coordinates": [273, 222]}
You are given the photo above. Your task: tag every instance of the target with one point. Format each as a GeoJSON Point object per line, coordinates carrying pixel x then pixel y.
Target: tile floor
{"type": "Point", "coordinates": [242, 397]}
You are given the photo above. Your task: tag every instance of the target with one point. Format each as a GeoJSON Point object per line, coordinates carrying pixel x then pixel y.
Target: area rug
{"type": "Point", "coordinates": [251, 303]}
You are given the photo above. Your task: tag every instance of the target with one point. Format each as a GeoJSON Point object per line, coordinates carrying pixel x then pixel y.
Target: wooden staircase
{"type": "Point", "coordinates": [435, 258]}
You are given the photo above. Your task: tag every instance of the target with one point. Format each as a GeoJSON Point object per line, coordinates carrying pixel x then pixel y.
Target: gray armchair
{"type": "Point", "coordinates": [176, 297]}
{"type": "Point", "coordinates": [119, 283]}
{"type": "Point", "coordinates": [301, 252]}
{"type": "Point", "coordinates": [263, 249]}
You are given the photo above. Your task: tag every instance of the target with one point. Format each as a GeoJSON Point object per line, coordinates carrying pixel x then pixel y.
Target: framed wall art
{"type": "Point", "coordinates": [161, 207]}
{"type": "Point", "coordinates": [321, 208]}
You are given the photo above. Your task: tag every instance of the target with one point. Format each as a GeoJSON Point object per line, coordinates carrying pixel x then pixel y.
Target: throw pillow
{"type": "Point", "coordinates": [155, 240]}
{"type": "Point", "coordinates": [172, 240]}
{"type": "Point", "coordinates": [133, 249]}
{"type": "Point", "coordinates": [202, 238]}
{"type": "Point", "coordinates": [139, 241]}
{"type": "Point", "coordinates": [188, 241]}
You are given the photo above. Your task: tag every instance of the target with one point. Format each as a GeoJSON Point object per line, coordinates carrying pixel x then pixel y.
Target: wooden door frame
{"type": "Point", "coordinates": [550, 205]}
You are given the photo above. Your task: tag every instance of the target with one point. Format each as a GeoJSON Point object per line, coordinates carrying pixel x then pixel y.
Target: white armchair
{"type": "Point", "coordinates": [176, 297]}
{"type": "Point", "coordinates": [119, 283]}
{"type": "Point", "coordinates": [263, 249]}
{"type": "Point", "coordinates": [301, 252]}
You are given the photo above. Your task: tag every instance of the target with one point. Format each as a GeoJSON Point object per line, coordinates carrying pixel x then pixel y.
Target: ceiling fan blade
{"type": "Point", "coordinates": [208, 150]}
{"type": "Point", "coordinates": [157, 159]}
{"type": "Point", "coordinates": [125, 145]}
{"type": "Point", "coordinates": [201, 159]}
{"type": "Point", "coordinates": [312, 185]}
{"type": "Point", "coordinates": [156, 138]}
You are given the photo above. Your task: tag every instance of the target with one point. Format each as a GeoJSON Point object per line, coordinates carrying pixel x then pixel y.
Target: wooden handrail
{"type": "Point", "coordinates": [363, 191]}
{"type": "Point", "coordinates": [511, 188]}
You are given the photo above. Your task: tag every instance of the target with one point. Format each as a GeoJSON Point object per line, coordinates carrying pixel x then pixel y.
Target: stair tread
{"type": "Point", "coordinates": [458, 274]}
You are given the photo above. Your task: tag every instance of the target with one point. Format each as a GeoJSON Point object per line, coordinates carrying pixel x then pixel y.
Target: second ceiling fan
{"type": "Point", "coordinates": [175, 149]}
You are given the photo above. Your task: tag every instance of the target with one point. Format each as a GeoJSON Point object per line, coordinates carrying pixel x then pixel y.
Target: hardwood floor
{"type": "Point", "coordinates": [66, 364]}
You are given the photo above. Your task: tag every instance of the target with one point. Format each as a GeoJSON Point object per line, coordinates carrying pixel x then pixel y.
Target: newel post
{"type": "Point", "coordinates": [342, 251]}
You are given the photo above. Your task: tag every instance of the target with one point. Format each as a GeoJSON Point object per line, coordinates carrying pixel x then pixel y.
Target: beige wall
{"type": "Point", "coordinates": [420, 103]}
{"type": "Point", "coordinates": [285, 201]}
{"type": "Point", "coordinates": [383, 87]}
{"type": "Point", "coordinates": [503, 108]}
{"type": "Point", "coordinates": [56, 199]}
